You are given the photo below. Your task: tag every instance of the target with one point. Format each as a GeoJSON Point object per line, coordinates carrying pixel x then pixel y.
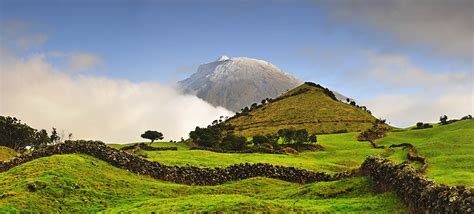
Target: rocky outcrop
{"type": "Point", "coordinates": [178, 174]}
{"type": "Point", "coordinates": [421, 194]}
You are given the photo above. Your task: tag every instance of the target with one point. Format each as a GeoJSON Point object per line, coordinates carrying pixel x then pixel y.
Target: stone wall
{"type": "Point", "coordinates": [421, 194]}
{"type": "Point", "coordinates": [413, 156]}
{"type": "Point", "coordinates": [146, 147]}
{"type": "Point", "coordinates": [178, 174]}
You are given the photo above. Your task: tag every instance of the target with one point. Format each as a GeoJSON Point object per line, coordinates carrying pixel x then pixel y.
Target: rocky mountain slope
{"type": "Point", "coordinates": [238, 82]}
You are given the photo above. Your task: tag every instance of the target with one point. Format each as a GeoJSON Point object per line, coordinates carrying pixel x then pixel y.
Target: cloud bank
{"type": "Point", "coordinates": [445, 26]}
{"type": "Point", "coordinates": [419, 95]}
{"type": "Point", "coordinates": [91, 107]}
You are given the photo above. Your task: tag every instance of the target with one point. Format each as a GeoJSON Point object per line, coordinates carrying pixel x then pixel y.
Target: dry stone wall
{"type": "Point", "coordinates": [178, 174]}
{"type": "Point", "coordinates": [421, 194]}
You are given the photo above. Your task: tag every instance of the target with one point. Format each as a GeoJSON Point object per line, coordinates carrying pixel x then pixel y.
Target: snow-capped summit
{"type": "Point", "coordinates": [238, 82]}
{"type": "Point", "coordinates": [222, 58]}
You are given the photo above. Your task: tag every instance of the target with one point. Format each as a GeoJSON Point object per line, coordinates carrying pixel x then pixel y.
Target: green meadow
{"type": "Point", "coordinates": [80, 183]}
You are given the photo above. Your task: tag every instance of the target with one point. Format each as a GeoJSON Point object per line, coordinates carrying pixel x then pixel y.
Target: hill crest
{"type": "Point", "coordinates": [309, 106]}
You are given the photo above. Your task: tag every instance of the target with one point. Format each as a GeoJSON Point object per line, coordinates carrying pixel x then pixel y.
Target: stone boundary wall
{"type": "Point", "coordinates": [251, 150]}
{"type": "Point", "coordinates": [146, 147]}
{"type": "Point", "coordinates": [413, 156]}
{"type": "Point", "coordinates": [178, 174]}
{"type": "Point", "coordinates": [422, 195]}
{"type": "Point", "coordinates": [150, 148]}
{"type": "Point", "coordinates": [264, 149]}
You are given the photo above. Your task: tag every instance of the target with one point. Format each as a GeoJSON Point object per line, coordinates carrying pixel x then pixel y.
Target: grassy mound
{"type": "Point", "coordinates": [6, 153]}
{"type": "Point", "coordinates": [80, 183]}
{"type": "Point", "coordinates": [449, 150]}
{"type": "Point", "coordinates": [312, 110]}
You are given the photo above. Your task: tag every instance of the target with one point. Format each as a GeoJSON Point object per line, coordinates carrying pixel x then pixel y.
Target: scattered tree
{"type": "Point", "coordinates": [260, 139]}
{"type": "Point", "coordinates": [152, 135]}
{"type": "Point", "coordinates": [54, 138]}
{"type": "Point", "coordinates": [443, 120]}
{"type": "Point", "coordinates": [17, 135]}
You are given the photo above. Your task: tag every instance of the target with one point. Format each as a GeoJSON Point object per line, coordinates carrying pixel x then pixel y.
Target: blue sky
{"type": "Point", "coordinates": [150, 40]}
{"type": "Point", "coordinates": [362, 49]}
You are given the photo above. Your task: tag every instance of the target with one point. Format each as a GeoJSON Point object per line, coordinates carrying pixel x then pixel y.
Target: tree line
{"type": "Point", "coordinates": [18, 136]}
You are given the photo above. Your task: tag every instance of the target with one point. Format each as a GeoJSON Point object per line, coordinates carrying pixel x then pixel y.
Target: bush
{"type": "Point", "coordinates": [260, 139]}
{"type": "Point", "coordinates": [232, 142]}
{"type": "Point", "coordinates": [421, 125]}
{"type": "Point", "coordinates": [468, 117]}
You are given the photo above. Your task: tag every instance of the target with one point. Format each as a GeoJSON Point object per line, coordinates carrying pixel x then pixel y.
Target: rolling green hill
{"type": "Point", "coordinates": [80, 183]}
{"type": "Point", "coordinates": [305, 107]}
{"type": "Point", "coordinates": [449, 149]}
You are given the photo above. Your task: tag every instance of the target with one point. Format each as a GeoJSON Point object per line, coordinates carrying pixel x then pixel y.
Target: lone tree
{"type": "Point", "coordinates": [152, 135]}
{"type": "Point", "coordinates": [443, 120]}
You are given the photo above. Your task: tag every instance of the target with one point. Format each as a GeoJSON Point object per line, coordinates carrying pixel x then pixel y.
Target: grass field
{"type": "Point", "coordinates": [343, 152]}
{"type": "Point", "coordinates": [80, 183]}
{"type": "Point", "coordinates": [312, 110]}
{"type": "Point", "coordinates": [449, 149]}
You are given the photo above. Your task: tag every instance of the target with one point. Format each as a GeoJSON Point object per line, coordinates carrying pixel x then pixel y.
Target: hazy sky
{"type": "Point", "coordinates": [406, 60]}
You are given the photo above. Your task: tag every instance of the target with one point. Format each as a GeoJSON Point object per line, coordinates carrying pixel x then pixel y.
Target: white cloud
{"type": "Point", "coordinates": [431, 94]}
{"type": "Point", "coordinates": [446, 26]}
{"type": "Point", "coordinates": [398, 70]}
{"type": "Point", "coordinates": [112, 110]}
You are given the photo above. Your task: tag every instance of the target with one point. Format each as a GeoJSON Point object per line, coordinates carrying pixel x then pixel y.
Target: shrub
{"type": "Point", "coordinates": [260, 139]}
{"type": "Point", "coordinates": [233, 142]}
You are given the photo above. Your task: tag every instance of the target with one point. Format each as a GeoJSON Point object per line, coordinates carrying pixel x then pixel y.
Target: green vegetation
{"type": "Point", "coordinates": [17, 135]}
{"type": "Point", "coordinates": [6, 153]}
{"type": "Point", "coordinates": [64, 183]}
{"type": "Point", "coordinates": [152, 135]}
{"type": "Point", "coordinates": [449, 149]}
{"type": "Point", "coordinates": [342, 152]}
{"type": "Point", "coordinates": [305, 107]}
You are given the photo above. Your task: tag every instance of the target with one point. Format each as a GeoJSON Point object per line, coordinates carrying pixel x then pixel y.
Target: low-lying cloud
{"type": "Point", "coordinates": [445, 26]}
{"type": "Point", "coordinates": [91, 107]}
{"type": "Point", "coordinates": [417, 94]}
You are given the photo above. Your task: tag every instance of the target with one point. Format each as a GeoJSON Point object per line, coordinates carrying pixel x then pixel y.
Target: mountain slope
{"type": "Point", "coordinates": [238, 82]}
{"type": "Point", "coordinates": [307, 107]}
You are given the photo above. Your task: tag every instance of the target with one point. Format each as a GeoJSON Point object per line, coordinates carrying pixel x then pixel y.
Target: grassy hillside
{"type": "Point", "coordinates": [80, 183]}
{"type": "Point", "coordinates": [343, 152]}
{"type": "Point", "coordinates": [449, 149]}
{"type": "Point", "coordinates": [312, 110]}
{"type": "Point", "coordinates": [6, 153]}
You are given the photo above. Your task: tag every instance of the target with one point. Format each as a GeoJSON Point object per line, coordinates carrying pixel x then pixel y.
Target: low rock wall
{"type": "Point", "coordinates": [179, 174]}
{"type": "Point", "coordinates": [422, 195]}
